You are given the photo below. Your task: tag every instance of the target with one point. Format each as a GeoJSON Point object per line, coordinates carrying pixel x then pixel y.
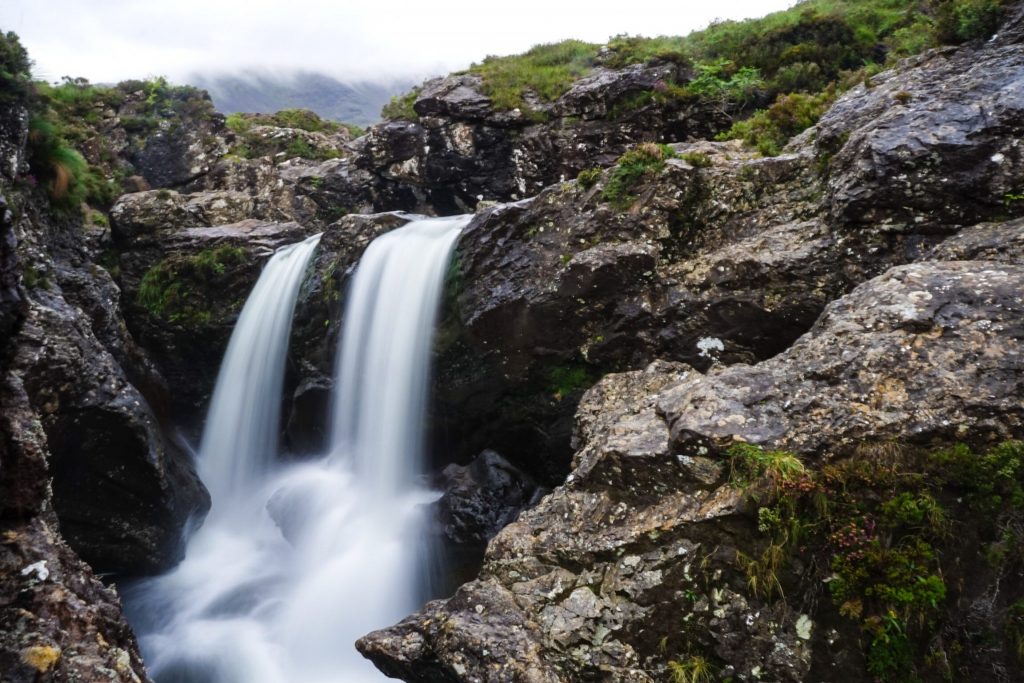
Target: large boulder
{"type": "Point", "coordinates": [946, 123]}
{"type": "Point", "coordinates": [636, 560]}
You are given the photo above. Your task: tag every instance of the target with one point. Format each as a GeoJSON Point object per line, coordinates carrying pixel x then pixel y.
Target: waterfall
{"type": "Point", "coordinates": [243, 424]}
{"type": "Point", "coordinates": [298, 560]}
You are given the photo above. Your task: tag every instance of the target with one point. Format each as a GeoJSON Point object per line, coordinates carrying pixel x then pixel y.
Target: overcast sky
{"type": "Point", "coordinates": [110, 40]}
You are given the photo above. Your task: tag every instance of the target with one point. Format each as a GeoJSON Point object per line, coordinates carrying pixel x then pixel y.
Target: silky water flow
{"type": "Point", "coordinates": [295, 561]}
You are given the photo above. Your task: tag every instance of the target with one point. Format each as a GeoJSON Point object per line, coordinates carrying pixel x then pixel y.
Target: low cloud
{"type": "Point", "coordinates": [109, 40]}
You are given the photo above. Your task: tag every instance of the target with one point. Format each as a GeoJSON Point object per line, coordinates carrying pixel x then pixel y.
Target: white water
{"type": "Point", "coordinates": [295, 562]}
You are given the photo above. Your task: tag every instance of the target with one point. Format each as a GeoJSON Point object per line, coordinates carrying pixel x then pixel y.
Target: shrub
{"type": "Point", "coordinates": [643, 161]}
{"type": "Point", "coordinates": [588, 177]}
{"type": "Point", "coordinates": [959, 21]}
{"type": "Point", "coordinates": [15, 68]}
{"type": "Point", "coordinates": [400, 107]}
{"type": "Point", "coordinates": [770, 129]}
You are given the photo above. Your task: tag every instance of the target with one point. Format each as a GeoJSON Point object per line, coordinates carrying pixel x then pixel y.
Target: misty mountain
{"type": "Point", "coordinates": [358, 102]}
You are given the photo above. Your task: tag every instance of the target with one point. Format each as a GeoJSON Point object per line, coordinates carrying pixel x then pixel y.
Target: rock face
{"type": "Point", "coordinates": [57, 622]}
{"type": "Point", "coordinates": [584, 584]}
{"type": "Point", "coordinates": [463, 150]}
{"type": "Point", "coordinates": [830, 302]}
{"type": "Point", "coordinates": [717, 256]}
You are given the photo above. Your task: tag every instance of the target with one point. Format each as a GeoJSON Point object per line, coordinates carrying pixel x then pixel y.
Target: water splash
{"type": "Point", "coordinates": [296, 561]}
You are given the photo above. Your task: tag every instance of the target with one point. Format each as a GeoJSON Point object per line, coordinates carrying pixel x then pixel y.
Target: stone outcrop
{"type": "Point", "coordinates": [586, 584]}
{"type": "Point", "coordinates": [718, 256]}
{"type": "Point", "coordinates": [57, 621]}
{"type": "Point", "coordinates": [463, 150]}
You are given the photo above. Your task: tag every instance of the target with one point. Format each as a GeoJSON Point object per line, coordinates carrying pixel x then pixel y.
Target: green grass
{"type": "Point", "coordinates": [545, 70]}
{"type": "Point", "coordinates": [400, 107]}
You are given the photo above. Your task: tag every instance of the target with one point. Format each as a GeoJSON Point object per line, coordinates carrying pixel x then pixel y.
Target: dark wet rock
{"type": "Point", "coordinates": [725, 260]}
{"type": "Point", "coordinates": [482, 498]}
{"type": "Point", "coordinates": [122, 494]}
{"type": "Point", "coordinates": [946, 123]}
{"type": "Point", "coordinates": [463, 151]}
{"type": "Point", "coordinates": [726, 263]}
{"type": "Point", "coordinates": [632, 562]}
{"type": "Point", "coordinates": [316, 326]}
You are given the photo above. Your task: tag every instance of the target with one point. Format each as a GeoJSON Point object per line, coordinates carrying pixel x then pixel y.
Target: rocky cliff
{"type": "Point", "coordinates": [822, 327]}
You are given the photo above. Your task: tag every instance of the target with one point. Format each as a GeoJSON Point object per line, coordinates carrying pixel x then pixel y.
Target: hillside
{"type": "Point", "coordinates": [359, 103]}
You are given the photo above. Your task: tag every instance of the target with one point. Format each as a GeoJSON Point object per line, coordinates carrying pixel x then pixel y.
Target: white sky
{"type": "Point", "coordinates": [110, 40]}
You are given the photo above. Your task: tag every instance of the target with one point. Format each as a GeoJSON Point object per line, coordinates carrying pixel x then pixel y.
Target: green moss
{"type": "Point", "coordinates": [564, 380]}
{"type": "Point", "coordinates": [178, 289]}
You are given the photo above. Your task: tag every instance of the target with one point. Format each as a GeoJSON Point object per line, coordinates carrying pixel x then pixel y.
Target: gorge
{"type": "Point", "coordinates": [728, 368]}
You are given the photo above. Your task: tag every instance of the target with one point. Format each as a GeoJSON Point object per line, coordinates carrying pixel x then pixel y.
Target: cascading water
{"type": "Point", "coordinates": [296, 561]}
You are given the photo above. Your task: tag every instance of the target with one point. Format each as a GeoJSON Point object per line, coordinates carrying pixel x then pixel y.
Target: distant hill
{"type": "Point", "coordinates": [358, 103]}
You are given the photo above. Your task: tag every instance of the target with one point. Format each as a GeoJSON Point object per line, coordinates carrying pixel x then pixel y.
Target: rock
{"type": "Point", "coordinates": [559, 289]}
{"type": "Point", "coordinates": [121, 492]}
{"type": "Point", "coordinates": [946, 122]}
{"type": "Point", "coordinates": [62, 623]}
{"type": "Point", "coordinates": [183, 288]}
{"type": "Point", "coordinates": [482, 497]}
{"type": "Point", "coordinates": [634, 558]}
{"type": "Point", "coordinates": [1002, 242]}
{"type": "Point", "coordinates": [462, 150]}
{"type": "Point", "coordinates": [143, 213]}
{"type": "Point", "coordinates": [945, 335]}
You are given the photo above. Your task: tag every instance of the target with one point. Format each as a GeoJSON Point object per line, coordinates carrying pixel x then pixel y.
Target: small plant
{"type": "Point", "coordinates": [750, 463]}
{"type": "Point", "coordinates": [643, 161]}
{"type": "Point", "coordinates": [903, 97]}
{"type": "Point", "coordinates": [696, 159]}
{"type": "Point", "coordinates": [694, 669]}
{"type": "Point", "coordinates": [588, 177]}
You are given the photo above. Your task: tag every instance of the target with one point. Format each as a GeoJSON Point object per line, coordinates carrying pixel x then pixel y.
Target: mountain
{"type": "Point", "coordinates": [357, 102]}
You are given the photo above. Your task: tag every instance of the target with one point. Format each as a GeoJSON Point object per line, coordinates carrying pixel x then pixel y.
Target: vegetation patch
{"type": "Point", "coordinates": [641, 163]}
{"type": "Point", "coordinates": [770, 129]}
{"type": "Point", "coordinates": [881, 527]}
{"type": "Point", "coordinates": [178, 289]}
{"type": "Point", "coordinates": [547, 71]}
{"type": "Point", "coordinates": [400, 107]}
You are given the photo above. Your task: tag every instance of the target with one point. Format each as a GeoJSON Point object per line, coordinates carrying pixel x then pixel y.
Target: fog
{"type": "Point", "coordinates": [110, 40]}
